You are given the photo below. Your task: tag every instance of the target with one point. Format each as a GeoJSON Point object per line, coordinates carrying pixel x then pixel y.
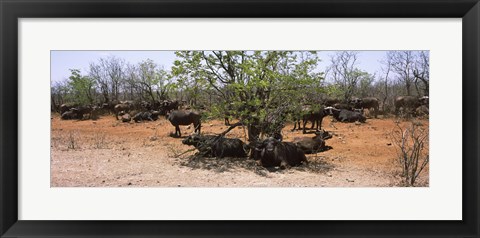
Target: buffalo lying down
{"type": "Point", "coordinates": [314, 144]}
{"type": "Point", "coordinates": [66, 107]}
{"type": "Point", "coordinates": [217, 146]}
{"type": "Point", "coordinates": [69, 115]}
{"type": "Point", "coordinates": [146, 116]}
{"type": "Point", "coordinates": [122, 107]}
{"type": "Point", "coordinates": [346, 115]}
{"type": "Point", "coordinates": [272, 152]}
{"type": "Point", "coordinates": [184, 118]}
{"type": "Point", "coordinates": [78, 113]}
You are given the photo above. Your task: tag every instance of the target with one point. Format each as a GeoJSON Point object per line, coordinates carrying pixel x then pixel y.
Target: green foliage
{"type": "Point", "coordinates": [253, 85]}
{"type": "Point", "coordinates": [81, 87]}
{"type": "Point", "coordinates": [365, 87]}
{"type": "Point", "coordinates": [188, 79]}
{"type": "Point", "coordinates": [151, 78]}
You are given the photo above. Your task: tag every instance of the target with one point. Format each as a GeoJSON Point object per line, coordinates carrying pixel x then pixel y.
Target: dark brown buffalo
{"type": "Point", "coordinates": [306, 114]}
{"type": "Point", "coordinates": [328, 102]}
{"type": "Point", "coordinates": [146, 116]}
{"type": "Point", "coordinates": [368, 103]}
{"type": "Point", "coordinates": [217, 146]}
{"type": "Point", "coordinates": [122, 107]}
{"type": "Point", "coordinates": [66, 107]}
{"type": "Point", "coordinates": [84, 110]}
{"type": "Point", "coordinates": [345, 106]}
{"type": "Point", "coordinates": [273, 152]}
{"type": "Point", "coordinates": [343, 115]}
{"type": "Point", "coordinates": [184, 118]}
{"type": "Point", "coordinates": [79, 113]}
{"type": "Point", "coordinates": [409, 103]}
{"type": "Point", "coordinates": [69, 115]}
{"type": "Point", "coordinates": [109, 106]}
{"type": "Point", "coordinates": [168, 106]}
{"type": "Point", "coordinates": [314, 144]}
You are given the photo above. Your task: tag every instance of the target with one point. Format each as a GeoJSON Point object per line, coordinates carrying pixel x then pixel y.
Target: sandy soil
{"type": "Point", "coordinates": [108, 153]}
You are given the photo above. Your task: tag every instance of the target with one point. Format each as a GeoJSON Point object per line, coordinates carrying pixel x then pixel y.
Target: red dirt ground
{"type": "Point", "coordinates": [108, 153]}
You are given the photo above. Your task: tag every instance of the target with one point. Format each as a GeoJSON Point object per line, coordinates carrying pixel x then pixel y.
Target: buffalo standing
{"type": "Point", "coordinates": [184, 118]}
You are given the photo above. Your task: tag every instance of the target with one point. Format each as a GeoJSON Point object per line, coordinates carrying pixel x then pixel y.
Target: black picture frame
{"type": "Point", "coordinates": [11, 11]}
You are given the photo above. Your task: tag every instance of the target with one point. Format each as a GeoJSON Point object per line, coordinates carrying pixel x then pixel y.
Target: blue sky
{"type": "Point", "coordinates": [62, 61]}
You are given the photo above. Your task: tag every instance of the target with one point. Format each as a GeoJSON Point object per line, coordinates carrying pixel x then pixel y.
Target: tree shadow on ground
{"type": "Point", "coordinates": [219, 165]}
{"type": "Point", "coordinates": [318, 164]}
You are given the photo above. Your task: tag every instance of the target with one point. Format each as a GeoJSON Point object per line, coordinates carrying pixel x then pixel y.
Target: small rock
{"type": "Point", "coordinates": [357, 123]}
{"type": "Point", "coordinates": [350, 180]}
{"type": "Point", "coordinates": [129, 183]}
{"type": "Point", "coordinates": [178, 185]}
{"type": "Point", "coordinates": [103, 181]}
{"type": "Point", "coordinates": [389, 144]}
{"type": "Point", "coordinates": [211, 124]}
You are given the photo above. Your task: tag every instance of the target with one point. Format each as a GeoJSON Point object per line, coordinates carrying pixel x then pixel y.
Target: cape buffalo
{"type": "Point", "coordinates": [168, 106]}
{"type": "Point", "coordinates": [307, 114]}
{"type": "Point", "coordinates": [83, 110]}
{"type": "Point", "coordinates": [345, 106]}
{"type": "Point", "coordinates": [66, 107]}
{"type": "Point", "coordinates": [122, 107]}
{"type": "Point", "coordinates": [366, 103]}
{"type": "Point", "coordinates": [217, 146]}
{"type": "Point", "coordinates": [273, 152]}
{"type": "Point", "coordinates": [184, 118]}
{"type": "Point", "coordinates": [78, 113]}
{"type": "Point", "coordinates": [146, 116]}
{"type": "Point", "coordinates": [314, 144]}
{"type": "Point", "coordinates": [330, 102]}
{"type": "Point", "coordinates": [409, 103]}
{"type": "Point", "coordinates": [343, 115]}
{"type": "Point", "coordinates": [69, 115]}
{"type": "Point", "coordinates": [109, 106]}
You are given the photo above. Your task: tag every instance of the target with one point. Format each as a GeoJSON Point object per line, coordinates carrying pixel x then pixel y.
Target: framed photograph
{"type": "Point", "coordinates": [224, 118]}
